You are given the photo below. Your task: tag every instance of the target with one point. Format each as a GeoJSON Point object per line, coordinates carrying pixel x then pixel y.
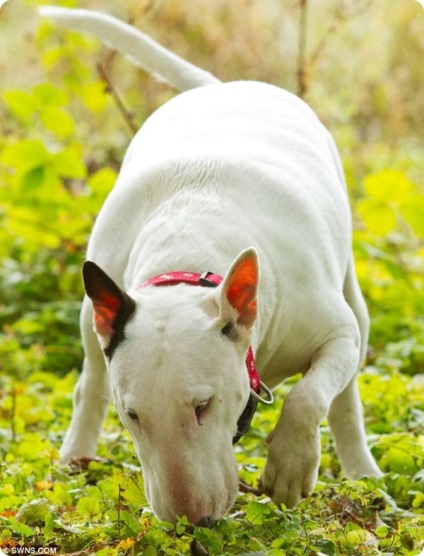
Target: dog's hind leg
{"type": "Point", "coordinates": [91, 395]}
{"type": "Point", "coordinates": [347, 425]}
{"type": "Point", "coordinates": [346, 413]}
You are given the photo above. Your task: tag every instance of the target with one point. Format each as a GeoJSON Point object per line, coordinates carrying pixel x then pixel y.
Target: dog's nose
{"type": "Point", "coordinates": [206, 522]}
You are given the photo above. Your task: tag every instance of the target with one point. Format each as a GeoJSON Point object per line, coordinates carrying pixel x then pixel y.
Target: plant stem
{"type": "Point", "coordinates": [302, 81]}
{"type": "Point", "coordinates": [125, 113]}
{"type": "Point", "coordinates": [13, 415]}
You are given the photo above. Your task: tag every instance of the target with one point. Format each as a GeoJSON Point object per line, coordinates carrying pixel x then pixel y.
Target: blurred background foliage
{"type": "Point", "coordinates": [68, 109]}
{"type": "Point", "coordinates": [64, 132]}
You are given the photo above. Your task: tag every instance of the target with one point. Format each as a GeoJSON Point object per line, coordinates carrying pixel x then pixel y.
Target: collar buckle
{"type": "Point", "coordinates": [203, 280]}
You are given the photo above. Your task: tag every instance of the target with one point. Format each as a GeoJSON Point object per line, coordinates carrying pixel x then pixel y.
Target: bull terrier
{"type": "Point", "coordinates": [240, 180]}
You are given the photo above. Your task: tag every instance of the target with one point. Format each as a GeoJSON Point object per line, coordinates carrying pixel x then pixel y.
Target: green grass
{"type": "Point", "coordinates": [102, 509]}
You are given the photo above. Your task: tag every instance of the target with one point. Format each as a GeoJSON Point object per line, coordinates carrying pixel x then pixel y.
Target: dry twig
{"type": "Point", "coordinates": [117, 98]}
{"type": "Point", "coordinates": [302, 79]}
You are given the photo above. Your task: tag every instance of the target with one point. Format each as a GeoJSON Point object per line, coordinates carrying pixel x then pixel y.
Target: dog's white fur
{"type": "Point", "coordinates": [215, 171]}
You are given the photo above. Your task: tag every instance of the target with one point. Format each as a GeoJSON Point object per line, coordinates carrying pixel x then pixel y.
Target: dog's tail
{"type": "Point", "coordinates": [143, 50]}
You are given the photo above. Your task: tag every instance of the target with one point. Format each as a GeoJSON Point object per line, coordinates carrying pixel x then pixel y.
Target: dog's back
{"type": "Point", "coordinates": [231, 128]}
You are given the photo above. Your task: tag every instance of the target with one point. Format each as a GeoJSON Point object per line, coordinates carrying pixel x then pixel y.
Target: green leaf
{"type": "Point", "coordinates": [68, 163]}
{"type": "Point", "coordinates": [399, 460]}
{"type": "Point", "coordinates": [60, 495]}
{"type": "Point", "coordinates": [58, 121]}
{"type": "Point", "coordinates": [102, 182]}
{"type": "Point", "coordinates": [255, 512]}
{"type": "Point", "coordinates": [88, 507]}
{"type": "Point", "coordinates": [54, 54]}
{"type": "Point", "coordinates": [21, 104]}
{"type": "Point", "coordinates": [49, 524]}
{"type": "Point", "coordinates": [382, 531]}
{"type": "Point", "coordinates": [25, 155]}
{"type": "Point", "coordinates": [134, 491]}
{"type": "Point", "coordinates": [34, 178]}
{"type": "Point", "coordinates": [326, 547]}
{"type": "Point", "coordinates": [48, 95]}
{"type": "Point", "coordinates": [150, 551]}
{"type": "Point", "coordinates": [20, 528]}
{"type": "Point", "coordinates": [35, 511]}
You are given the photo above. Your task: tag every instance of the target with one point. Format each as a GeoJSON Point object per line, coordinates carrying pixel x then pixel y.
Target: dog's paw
{"type": "Point", "coordinates": [291, 470]}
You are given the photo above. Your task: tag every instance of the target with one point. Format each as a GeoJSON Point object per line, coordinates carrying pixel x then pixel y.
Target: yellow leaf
{"type": "Point", "coordinates": [43, 485]}
{"type": "Point", "coordinates": [94, 96]}
{"type": "Point", "coordinates": [413, 212]}
{"type": "Point", "coordinates": [125, 544]}
{"type": "Point", "coordinates": [388, 186]}
{"type": "Point", "coordinates": [379, 218]}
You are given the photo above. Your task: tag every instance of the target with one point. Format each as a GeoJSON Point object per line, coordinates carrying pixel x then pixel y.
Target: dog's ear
{"type": "Point", "coordinates": [238, 303]}
{"type": "Point", "coordinates": [112, 306]}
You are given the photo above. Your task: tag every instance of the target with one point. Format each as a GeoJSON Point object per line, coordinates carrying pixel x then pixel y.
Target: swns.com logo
{"type": "Point", "coordinates": [26, 550]}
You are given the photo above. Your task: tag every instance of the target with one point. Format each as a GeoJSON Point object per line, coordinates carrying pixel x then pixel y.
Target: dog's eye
{"type": "Point", "coordinates": [132, 415]}
{"type": "Point", "coordinates": [200, 409]}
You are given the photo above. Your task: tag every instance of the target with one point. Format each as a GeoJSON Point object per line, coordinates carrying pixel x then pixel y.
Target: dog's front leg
{"type": "Point", "coordinates": [294, 446]}
{"type": "Point", "coordinates": [91, 396]}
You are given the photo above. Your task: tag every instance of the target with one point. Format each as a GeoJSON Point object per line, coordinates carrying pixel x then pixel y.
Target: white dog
{"type": "Point", "coordinates": [222, 178]}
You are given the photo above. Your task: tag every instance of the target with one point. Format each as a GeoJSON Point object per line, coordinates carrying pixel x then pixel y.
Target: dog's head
{"type": "Point", "coordinates": [176, 357]}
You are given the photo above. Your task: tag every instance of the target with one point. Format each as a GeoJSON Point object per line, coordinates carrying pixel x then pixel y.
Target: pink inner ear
{"type": "Point", "coordinates": [241, 291]}
{"type": "Point", "coordinates": [105, 311]}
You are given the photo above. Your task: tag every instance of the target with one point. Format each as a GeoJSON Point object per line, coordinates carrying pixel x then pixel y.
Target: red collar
{"type": "Point", "coordinates": [209, 280]}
